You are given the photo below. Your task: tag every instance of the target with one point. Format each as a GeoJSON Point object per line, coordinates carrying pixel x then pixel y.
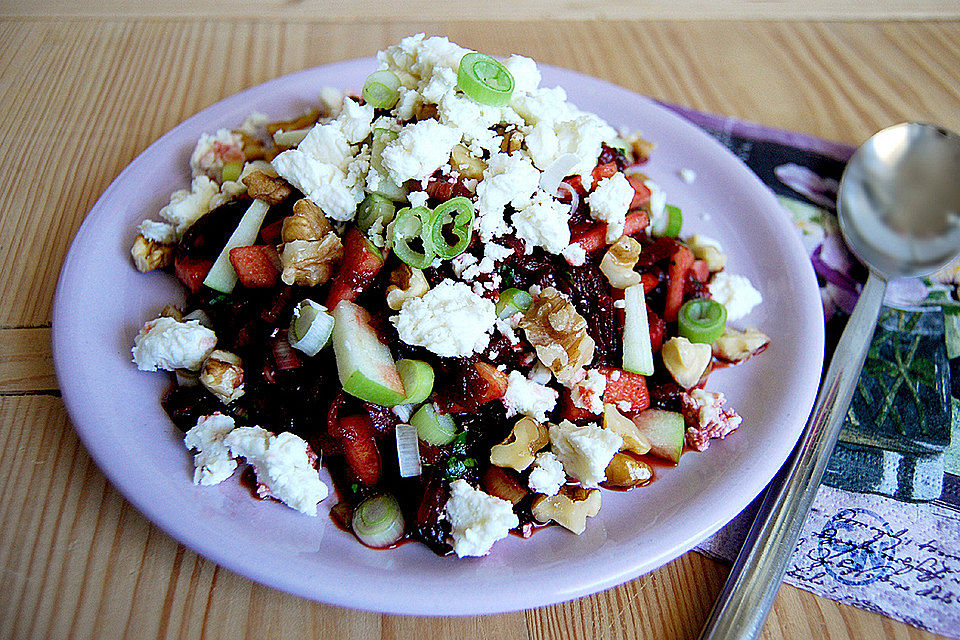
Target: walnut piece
{"type": "Point", "coordinates": [299, 122]}
{"type": "Point", "coordinates": [686, 361]}
{"type": "Point", "coordinates": [625, 471]}
{"type": "Point", "coordinates": [737, 346]}
{"type": "Point", "coordinates": [310, 262]}
{"type": "Point", "coordinates": [709, 251]}
{"type": "Point", "coordinates": [618, 263]}
{"type": "Point", "coordinates": [516, 452]}
{"type": "Point", "coordinates": [624, 427]}
{"type": "Point", "coordinates": [570, 508]}
{"type": "Point", "coordinates": [466, 164]}
{"type": "Point", "coordinates": [405, 283]}
{"type": "Point", "coordinates": [150, 254]}
{"type": "Point", "coordinates": [222, 375]}
{"type": "Point", "coordinates": [559, 334]}
{"type": "Point", "coordinates": [269, 189]}
{"type": "Point", "coordinates": [306, 223]}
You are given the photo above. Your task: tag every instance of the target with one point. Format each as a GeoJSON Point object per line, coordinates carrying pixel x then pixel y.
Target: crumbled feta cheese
{"type": "Point", "coordinates": [508, 179]}
{"type": "Point", "coordinates": [706, 417]}
{"type": "Point", "coordinates": [167, 344]}
{"type": "Point", "coordinates": [355, 121]}
{"type": "Point", "coordinates": [417, 199]}
{"type": "Point", "coordinates": [331, 101]}
{"type": "Point", "coordinates": [734, 292]}
{"type": "Point", "coordinates": [158, 231]}
{"type": "Point", "coordinates": [526, 75]}
{"type": "Point", "coordinates": [584, 135]}
{"type": "Point", "coordinates": [574, 254]}
{"type": "Point", "coordinates": [464, 263]}
{"type": "Point", "coordinates": [620, 304]}
{"type": "Point", "coordinates": [584, 451]}
{"type": "Point", "coordinates": [688, 175]}
{"type": "Point", "coordinates": [546, 474]}
{"type": "Point", "coordinates": [544, 223]}
{"type": "Point", "coordinates": [609, 203]}
{"type": "Point", "coordinates": [213, 150]}
{"type": "Point", "coordinates": [187, 205]}
{"type": "Point", "coordinates": [546, 106]}
{"type": "Point", "coordinates": [508, 327]}
{"type": "Point", "coordinates": [416, 56]}
{"type": "Point", "coordinates": [496, 252]}
{"type": "Point", "coordinates": [408, 104]}
{"type": "Point", "coordinates": [529, 398]}
{"type": "Point", "coordinates": [328, 144]}
{"type": "Point", "coordinates": [587, 392]}
{"type": "Point", "coordinates": [283, 464]}
{"type": "Point", "coordinates": [477, 519]}
{"type": "Point", "coordinates": [213, 463]}
{"type": "Point", "coordinates": [419, 150]}
{"type": "Point", "coordinates": [324, 184]}
{"type": "Point", "coordinates": [254, 125]}
{"type": "Point", "coordinates": [450, 320]}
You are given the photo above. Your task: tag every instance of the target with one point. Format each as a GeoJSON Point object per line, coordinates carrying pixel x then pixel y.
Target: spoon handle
{"type": "Point", "coordinates": [753, 582]}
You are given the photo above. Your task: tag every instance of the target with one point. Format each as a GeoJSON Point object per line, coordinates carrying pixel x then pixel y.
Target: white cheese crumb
{"type": "Point", "coordinates": [187, 205]}
{"type": "Point", "coordinates": [734, 292]}
{"type": "Point", "coordinates": [584, 451]}
{"type": "Point", "coordinates": [450, 320]}
{"type": "Point", "coordinates": [546, 474]}
{"type": "Point", "coordinates": [158, 231]}
{"type": "Point", "coordinates": [419, 150]}
{"type": "Point", "coordinates": [688, 175]}
{"type": "Point", "coordinates": [587, 392]}
{"type": "Point", "coordinates": [508, 179]}
{"type": "Point", "coordinates": [213, 463]}
{"type": "Point", "coordinates": [529, 398]}
{"type": "Point", "coordinates": [477, 519]}
{"type": "Point", "coordinates": [543, 223]}
{"type": "Point", "coordinates": [575, 254]}
{"type": "Point", "coordinates": [609, 203]}
{"type": "Point", "coordinates": [164, 343]}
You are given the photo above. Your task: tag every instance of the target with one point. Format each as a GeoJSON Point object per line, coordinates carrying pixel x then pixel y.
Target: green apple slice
{"type": "Point", "coordinates": [364, 364]}
{"type": "Point", "coordinates": [637, 350]}
{"type": "Point", "coordinates": [417, 377]}
{"type": "Point", "coordinates": [665, 431]}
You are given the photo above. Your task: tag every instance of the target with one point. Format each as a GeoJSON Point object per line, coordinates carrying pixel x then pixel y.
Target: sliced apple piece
{"type": "Point", "coordinates": [364, 364]}
{"type": "Point", "coordinates": [665, 431]}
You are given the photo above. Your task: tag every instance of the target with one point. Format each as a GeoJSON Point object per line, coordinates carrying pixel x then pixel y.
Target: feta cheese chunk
{"type": "Point", "coordinates": [584, 451]}
{"type": "Point", "coordinates": [544, 223]}
{"type": "Point", "coordinates": [609, 203]}
{"type": "Point", "coordinates": [167, 344]}
{"type": "Point", "coordinates": [734, 292]}
{"type": "Point", "coordinates": [477, 519]}
{"type": "Point", "coordinates": [707, 417]}
{"type": "Point", "coordinates": [546, 474]}
{"type": "Point", "coordinates": [324, 184]}
{"type": "Point", "coordinates": [587, 392]}
{"type": "Point", "coordinates": [508, 179]}
{"type": "Point", "coordinates": [187, 205]}
{"type": "Point", "coordinates": [212, 151]}
{"type": "Point", "coordinates": [529, 398]}
{"type": "Point", "coordinates": [419, 150]}
{"type": "Point", "coordinates": [158, 231]}
{"type": "Point", "coordinates": [450, 320]}
{"type": "Point", "coordinates": [283, 464]}
{"type": "Point", "coordinates": [213, 461]}
{"type": "Point", "coordinates": [355, 121]}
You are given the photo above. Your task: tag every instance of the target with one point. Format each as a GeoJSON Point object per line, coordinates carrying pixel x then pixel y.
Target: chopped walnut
{"type": "Point", "coordinates": [466, 164]}
{"type": "Point", "coordinates": [736, 346]}
{"type": "Point", "coordinates": [639, 147]}
{"type": "Point", "coordinates": [300, 122]}
{"type": "Point", "coordinates": [510, 139]}
{"type": "Point", "coordinates": [172, 311]}
{"type": "Point", "coordinates": [263, 187]}
{"type": "Point", "coordinates": [686, 361]}
{"type": "Point", "coordinates": [559, 334]}
{"type": "Point", "coordinates": [405, 283]}
{"type": "Point", "coordinates": [306, 223]}
{"type": "Point", "coordinates": [252, 148]}
{"type": "Point", "coordinates": [618, 263]}
{"type": "Point", "coordinates": [516, 452]}
{"type": "Point", "coordinates": [310, 262]}
{"type": "Point", "coordinates": [427, 111]}
{"type": "Point", "coordinates": [150, 254]}
{"type": "Point", "coordinates": [570, 508]}
{"type": "Point", "coordinates": [222, 375]}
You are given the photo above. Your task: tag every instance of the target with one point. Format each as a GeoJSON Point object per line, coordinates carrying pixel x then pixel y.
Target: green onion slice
{"type": "Point", "coordinates": [511, 301]}
{"type": "Point", "coordinates": [231, 171]}
{"type": "Point", "coordinates": [433, 427]}
{"type": "Point", "coordinates": [417, 377]}
{"type": "Point", "coordinates": [381, 89]}
{"type": "Point", "coordinates": [372, 207]}
{"type": "Point", "coordinates": [702, 320]}
{"type": "Point", "coordinates": [409, 225]}
{"type": "Point", "coordinates": [459, 212]}
{"type": "Point", "coordinates": [310, 327]}
{"type": "Point", "coordinates": [674, 221]}
{"type": "Point", "coordinates": [485, 80]}
{"type": "Point", "coordinates": [378, 522]}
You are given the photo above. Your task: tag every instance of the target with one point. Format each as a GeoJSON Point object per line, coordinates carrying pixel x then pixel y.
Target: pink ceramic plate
{"type": "Point", "coordinates": [116, 409]}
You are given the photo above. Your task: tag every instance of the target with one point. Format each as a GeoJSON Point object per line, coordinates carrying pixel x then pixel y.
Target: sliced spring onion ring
{"type": "Point", "coordinates": [559, 169]}
{"type": "Point", "coordinates": [433, 427]}
{"type": "Point", "coordinates": [417, 377]}
{"type": "Point", "coordinates": [512, 301]}
{"type": "Point", "coordinates": [381, 89]}
{"type": "Point", "coordinates": [231, 171]}
{"type": "Point", "coordinates": [408, 450]}
{"type": "Point", "coordinates": [310, 328]}
{"type": "Point", "coordinates": [375, 206]}
{"type": "Point", "coordinates": [485, 80]}
{"type": "Point", "coordinates": [701, 320]}
{"type": "Point", "coordinates": [459, 211]}
{"type": "Point", "coordinates": [409, 225]}
{"type": "Point", "coordinates": [377, 521]}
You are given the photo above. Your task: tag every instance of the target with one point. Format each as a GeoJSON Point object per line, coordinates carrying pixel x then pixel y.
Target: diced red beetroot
{"type": "Point", "coordinates": [360, 448]}
{"type": "Point", "coordinates": [602, 171]}
{"type": "Point", "coordinates": [649, 282]}
{"type": "Point", "coordinates": [272, 232]}
{"type": "Point", "coordinates": [680, 263]}
{"type": "Point", "coordinates": [700, 270]}
{"type": "Point", "coordinates": [624, 386]}
{"type": "Point", "coordinates": [594, 236]}
{"type": "Point", "coordinates": [192, 271]}
{"type": "Point", "coordinates": [256, 265]}
{"type": "Point", "coordinates": [641, 193]}
{"type": "Point", "coordinates": [493, 386]}
{"type": "Point", "coordinates": [359, 267]}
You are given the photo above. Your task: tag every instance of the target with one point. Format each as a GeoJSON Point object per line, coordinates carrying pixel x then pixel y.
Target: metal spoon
{"type": "Point", "coordinates": [899, 212]}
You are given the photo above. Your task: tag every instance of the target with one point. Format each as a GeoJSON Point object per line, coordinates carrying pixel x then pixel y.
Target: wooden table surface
{"type": "Point", "coordinates": [83, 91]}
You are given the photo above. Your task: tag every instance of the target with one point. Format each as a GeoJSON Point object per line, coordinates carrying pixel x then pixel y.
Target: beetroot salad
{"type": "Point", "coordinates": [455, 291]}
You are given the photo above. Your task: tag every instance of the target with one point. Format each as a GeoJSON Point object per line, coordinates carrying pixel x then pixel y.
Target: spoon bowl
{"type": "Point", "coordinates": [899, 200]}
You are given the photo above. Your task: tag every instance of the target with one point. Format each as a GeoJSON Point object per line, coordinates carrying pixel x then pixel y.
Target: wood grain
{"type": "Point", "coordinates": [84, 87]}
